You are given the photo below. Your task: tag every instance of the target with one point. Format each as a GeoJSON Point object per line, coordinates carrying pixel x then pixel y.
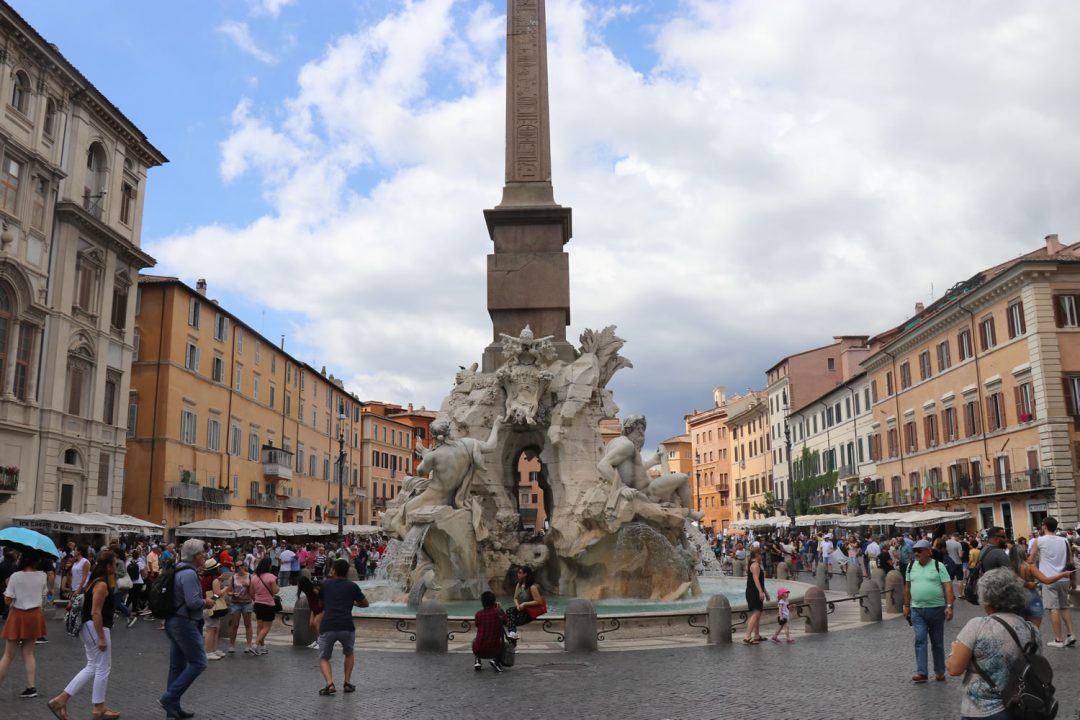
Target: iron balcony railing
{"type": "Point", "coordinates": [189, 492]}
{"type": "Point", "coordinates": [9, 482]}
{"type": "Point", "coordinates": [266, 501]}
{"type": "Point", "coordinates": [1026, 481]}
{"type": "Point", "coordinates": [298, 503]}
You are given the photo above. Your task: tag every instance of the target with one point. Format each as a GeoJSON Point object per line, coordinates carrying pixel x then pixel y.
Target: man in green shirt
{"type": "Point", "coordinates": [928, 603]}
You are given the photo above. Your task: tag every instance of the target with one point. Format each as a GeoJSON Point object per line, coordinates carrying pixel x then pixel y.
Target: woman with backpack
{"type": "Point", "coordinates": [990, 650]}
{"type": "Point", "coordinates": [98, 608]}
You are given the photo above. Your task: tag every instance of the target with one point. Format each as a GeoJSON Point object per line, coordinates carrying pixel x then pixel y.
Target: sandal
{"type": "Point", "coordinates": [58, 709]}
{"type": "Point", "coordinates": [328, 690]}
{"type": "Point", "coordinates": [348, 687]}
{"type": "Point", "coordinates": [107, 715]}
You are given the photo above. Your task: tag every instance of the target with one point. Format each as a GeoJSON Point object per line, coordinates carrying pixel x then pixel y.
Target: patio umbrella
{"type": "Point", "coordinates": [25, 539]}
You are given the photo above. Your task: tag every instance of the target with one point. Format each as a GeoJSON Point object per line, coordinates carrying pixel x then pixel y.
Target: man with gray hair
{"type": "Point", "coordinates": [187, 657]}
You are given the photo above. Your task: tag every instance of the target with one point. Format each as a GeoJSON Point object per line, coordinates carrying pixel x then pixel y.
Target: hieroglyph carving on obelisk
{"type": "Point", "coordinates": [528, 138]}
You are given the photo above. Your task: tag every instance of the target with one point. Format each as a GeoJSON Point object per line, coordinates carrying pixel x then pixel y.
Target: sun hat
{"type": "Point", "coordinates": [210, 564]}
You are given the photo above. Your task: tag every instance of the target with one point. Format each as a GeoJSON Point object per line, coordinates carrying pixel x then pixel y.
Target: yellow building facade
{"type": "Point", "coordinates": [224, 424]}
{"type": "Point", "coordinates": [750, 451]}
{"type": "Point", "coordinates": [710, 450]}
{"type": "Point", "coordinates": [976, 399]}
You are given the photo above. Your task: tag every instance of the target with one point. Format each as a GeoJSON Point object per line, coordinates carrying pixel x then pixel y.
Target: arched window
{"type": "Point", "coordinates": [20, 92]}
{"type": "Point", "coordinates": [72, 457]}
{"type": "Point", "coordinates": [94, 187]}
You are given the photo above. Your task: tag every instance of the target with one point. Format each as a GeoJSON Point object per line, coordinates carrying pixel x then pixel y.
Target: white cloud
{"type": "Point", "coordinates": [269, 7]}
{"type": "Point", "coordinates": [240, 34]}
{"type": "Point", "coordinates": [786, 172]}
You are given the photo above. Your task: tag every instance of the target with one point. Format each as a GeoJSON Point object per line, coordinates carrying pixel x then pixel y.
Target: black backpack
{"type": "Point", "coordinates": [1029, 691]}
{"type": "Point", "coordinates": [162, 593]}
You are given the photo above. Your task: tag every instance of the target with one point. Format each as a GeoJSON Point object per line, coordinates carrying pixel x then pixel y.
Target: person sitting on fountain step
{"type": "Point", "coordinates": [624, 468]}
{"type": "Point", "coordinates": [488, 643]}
{"type": "Point", "coordinates": [529, 604]}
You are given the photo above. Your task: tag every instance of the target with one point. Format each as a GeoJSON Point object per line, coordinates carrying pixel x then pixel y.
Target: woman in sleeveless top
{"type": "Point", "coordinates": [529, 604]}
{"type": "Point", "coordinates": [240, 606]}
{"type": "Point", "coordinates": [96, 635]}
{"type": "Point", "coordinates": [756, 594]}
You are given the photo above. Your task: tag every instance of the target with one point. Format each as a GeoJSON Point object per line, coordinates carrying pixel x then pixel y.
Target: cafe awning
{"type": "Point", "coordinates": [64, 522]}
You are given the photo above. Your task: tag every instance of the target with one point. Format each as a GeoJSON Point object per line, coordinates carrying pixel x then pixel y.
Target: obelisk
{"type": "Point", "coordinates": [528, 277]}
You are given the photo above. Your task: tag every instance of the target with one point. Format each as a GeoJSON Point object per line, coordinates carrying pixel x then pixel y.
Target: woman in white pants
{"type": "Point", "coordinates": [96, 635]}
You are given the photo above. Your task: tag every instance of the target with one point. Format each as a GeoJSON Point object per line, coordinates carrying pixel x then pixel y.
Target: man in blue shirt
{"type": "Point", "coordinates": [339, 596]}
{"type": "Point", "coordinates": [187, 657]}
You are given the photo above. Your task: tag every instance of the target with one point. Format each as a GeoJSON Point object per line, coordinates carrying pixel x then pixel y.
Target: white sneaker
{"type": "Point", "coordinates": [214, 656]}
{"type": "Point", "coordinates": [314, 645]}
{"type": "Point", "coordinates": [232, 647]}
{"type": "Point", "coordinates": [515, 635]}
{"type": "Point", "coordinates": [1070, 641]}
{"type": "Point", "coordinates": [251, 649]}
{"type": "Point", "coordinates": [1055, 644]}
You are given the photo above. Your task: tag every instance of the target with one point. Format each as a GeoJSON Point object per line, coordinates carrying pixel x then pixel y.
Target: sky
{"type": "Point", "coordinates": [749, 178]}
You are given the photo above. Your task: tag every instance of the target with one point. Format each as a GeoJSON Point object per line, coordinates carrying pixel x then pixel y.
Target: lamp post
{"type": "Point", "coordinates": [697, 479]}
{"type": "Point", "coordinates": [341, 479]}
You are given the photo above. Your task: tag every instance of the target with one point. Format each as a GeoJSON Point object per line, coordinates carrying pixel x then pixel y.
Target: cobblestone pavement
{"type": "Point", "coordinates": [859, 673]}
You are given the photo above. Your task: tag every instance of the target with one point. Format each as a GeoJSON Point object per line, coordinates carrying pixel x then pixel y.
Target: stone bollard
{"type": "Point", "coordinates": [783, 572]}
{"type": "Point", "coordinates": [431, 627]}
{"type": "Point", "coordinates": [852, 579]}
{"type": "Point", "coordinates": [878, 576]}
{"type": "Point", "coordinates": [719, 620]}
{"type": "Point", "coordinates": [352, 575]}
{"type": "Point", "coordinates": [821, 577]}
{"type": "Point", "coordinates": [301, 620]}
{"type": "Point", "coordinates": [579, 626]}
{"type": "Point", "coordinates": [817, 611]}
{"type": "Point", "coordinates": [739, 568]}
{"type": "Point", "coordinates": [894, 592]}
{"type": "Point", "coordinates": [871, 610]}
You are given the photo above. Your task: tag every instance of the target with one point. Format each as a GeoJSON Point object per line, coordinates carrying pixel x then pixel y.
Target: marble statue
{"type": "Point", "coordinates": [452, 465]}
{"type": "Point", "coordinates": [524, 375]}
{"type": "Point", "coordinates": [625, 470]}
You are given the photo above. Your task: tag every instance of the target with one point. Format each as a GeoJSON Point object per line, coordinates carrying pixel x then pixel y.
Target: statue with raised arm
{"type": "Point", "coordinates": [624, 469]}
{"type": "Point", "coordinates": [450, 466]}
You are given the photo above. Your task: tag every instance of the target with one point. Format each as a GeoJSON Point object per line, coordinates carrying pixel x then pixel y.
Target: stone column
{"type": "Point", "coordinates": [719, 620]}
{"type": "Point", "coordinates": [35, 358]}
{"type": "Point", "coordinates": [817, 611]}
{"type": "Point", "coordinates": [894, 592]}
{"type": "Point", "coordinates": [301, 614]}
{"type": "Point", "coordinates": [13, 349]}
{"type": "Point", "coordinates": [432, 628]}
{"type": "Point", "coordinates": [871, 610]}
{"type": "Point", "coordinates": [579, 626]}
{"type": "Point", "coordinates": [821, 576]}
{"type": "Point", "coordinates": [852, 578]}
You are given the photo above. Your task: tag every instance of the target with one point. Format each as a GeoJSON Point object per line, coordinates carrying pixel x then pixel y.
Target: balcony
{"type": "Point", "coordinates": [298, 503]}
{"type": "Point", "coordinates": [722, 487]}
{"type": "Point", "coordinates": [379, 503]}
{"type": "Point", "coordinates": [277, 463]}
{"type": "Point", "coordinates": [9, 481]}
{"type": "Point", "coordinates": [357, 492]}
{"type": "Point", "coordinates": [186, 492]}
{"type": "Point", "coordinates": [845, 472]}
{"type": "Point", "coordinates": [834, 497]}
{"type": "Point", "coordinates": [266, 501]}
{"type": "Point", "coordinates": [1033, 480]}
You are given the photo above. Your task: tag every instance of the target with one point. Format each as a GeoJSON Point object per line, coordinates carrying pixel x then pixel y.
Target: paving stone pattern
{"type": "Point", "coordinates": [857, 673]}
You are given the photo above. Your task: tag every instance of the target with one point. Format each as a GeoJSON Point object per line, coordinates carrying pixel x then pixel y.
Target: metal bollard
{"type": "Point", "coordinates": [817, 611]}
{"type": "Point", "coordinates": [432, 627]}
{"type": "Point", "coordinates": [579, 626]}
{"type": "Point", "coordinates": [871, 610]}
{"type": "Point", "coordinates": [301, 620]}
{"type": "Point", "coordinates": [852, 578]}
{"type": "Point", "coordinates": [821, 576]}
{"type": "Point", "coordinates": [719, 620]}
{"type": "Point", "coordinates": [894, 592]}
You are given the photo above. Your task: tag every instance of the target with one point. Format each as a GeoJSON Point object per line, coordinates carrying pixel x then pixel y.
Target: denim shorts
{"type": "Point", "coordinates": [235, 609]}
{"type": "Point", "coordinates": [1035, 605]}
{"type": "Point", "coordinates": [347, 638]}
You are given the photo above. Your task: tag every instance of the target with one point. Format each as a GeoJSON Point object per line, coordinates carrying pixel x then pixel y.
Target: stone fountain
{"type": "Point", "coordinates": [614, 530]}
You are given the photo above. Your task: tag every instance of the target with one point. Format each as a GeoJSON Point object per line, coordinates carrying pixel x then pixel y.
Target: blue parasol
{"type": "Point", "coordinates": [25, 539]}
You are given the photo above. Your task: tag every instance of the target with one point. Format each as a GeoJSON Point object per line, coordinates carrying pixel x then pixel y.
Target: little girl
{"type": "Point", "coordinates": [783, 615]}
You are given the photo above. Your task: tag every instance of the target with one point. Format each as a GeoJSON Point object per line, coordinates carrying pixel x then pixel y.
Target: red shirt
{"type": "Point", "coordinates": [489, 625]}
{"type": "Point", "coordinates": [225, 559]}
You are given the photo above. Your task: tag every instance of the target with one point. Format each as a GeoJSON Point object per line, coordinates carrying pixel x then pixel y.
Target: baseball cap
{"type": "Point", "coordinates": [922, 545]}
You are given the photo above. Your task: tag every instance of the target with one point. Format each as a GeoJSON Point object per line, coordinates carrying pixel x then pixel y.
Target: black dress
{"type": "Point", "coordinates": [754, 601]}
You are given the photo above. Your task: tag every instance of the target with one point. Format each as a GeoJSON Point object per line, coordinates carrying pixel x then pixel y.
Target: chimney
{"type": "Point", "coordinates": [719, 396]}
{"type": "Point", "coordinates": [919, 307]}
{"type": "Point", "coordinates": [200, 285]}
{"type": "Point", "coordinates": [410, 407]}
{"type": "Point", "coordinates": [282, 342]}
{"type": "Point", "coordinates": [1052, 244]}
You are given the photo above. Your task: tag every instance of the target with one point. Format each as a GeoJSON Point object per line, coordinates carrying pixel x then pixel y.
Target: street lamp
{"type": "Point", "coordinates": [789, 490]}
{"type": "Point", "coordinates": [341, 479]}
{"type": "Point", "coordinates": [697, 478]}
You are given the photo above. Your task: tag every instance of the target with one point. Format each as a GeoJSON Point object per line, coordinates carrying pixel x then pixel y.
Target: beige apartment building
{"type": "Point", "coordinates": [976, 399]}
{"type": "Point", "coordinates": [222, 423]}
{"type": "Point", "coordinates": [750, 450]}
{"type": "Point", "coordinates": [73, 172]}
{"type": "Point", "coordinates": [707, 431]}
{"type": "Point", "coordinates": [388, 453]}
